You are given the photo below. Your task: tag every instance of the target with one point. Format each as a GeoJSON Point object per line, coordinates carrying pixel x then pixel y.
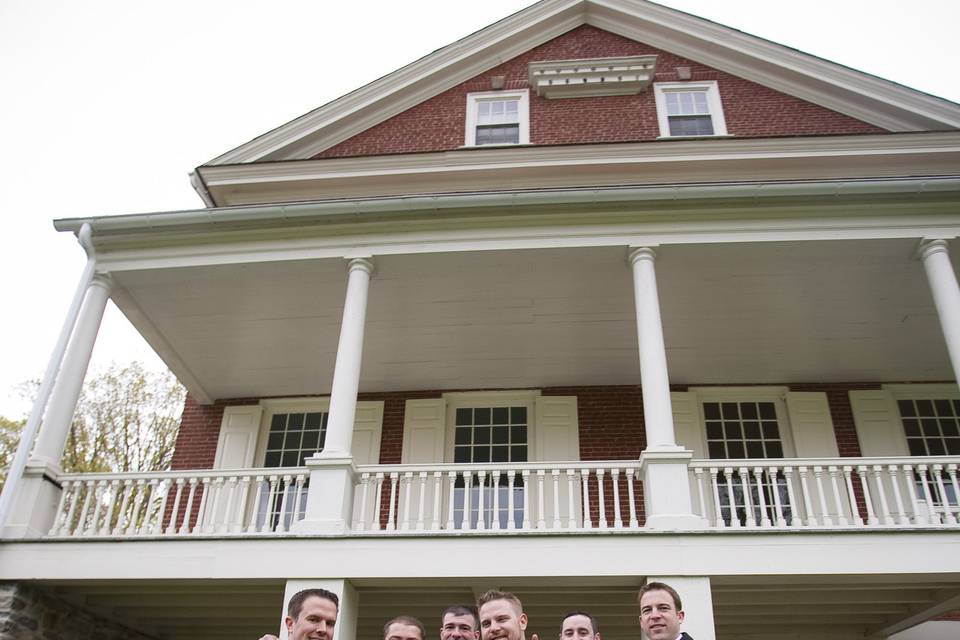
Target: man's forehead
{"type": "Point", "coordinates": [656, 595]}
{"type": "Point", "coordinates": [403, 630]}
{"type": "Point", "coordinates": [579, 620]}
{"type": "Point", "coordinates": [458, 618]}
{"type": "Point", "coordinates": [500, 604]}
{"type": "Point", "coordinates": [316, 602]}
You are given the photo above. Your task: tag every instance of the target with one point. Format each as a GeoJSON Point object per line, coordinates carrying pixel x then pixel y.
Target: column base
{"type": "Point", "coordinates": [35, 503]}
{"type": "Point", "coordinates": [666, 490]}
{"type": "Point", "coordinates": [330, 498]}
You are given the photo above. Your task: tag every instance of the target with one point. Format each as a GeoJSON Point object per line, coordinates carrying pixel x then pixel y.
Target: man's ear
{"type": "Point", "coordinates": [476, 634]}
{"type": "Point", "coordinates": [290, 622]}
{"type": "Point", "coordinates": [680, 616]}
{"type": "Point", "coordinates": [523, 621]}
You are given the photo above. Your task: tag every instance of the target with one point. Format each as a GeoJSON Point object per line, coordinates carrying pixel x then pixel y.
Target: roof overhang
{"type": "Point", "coordinates": [880, 102]}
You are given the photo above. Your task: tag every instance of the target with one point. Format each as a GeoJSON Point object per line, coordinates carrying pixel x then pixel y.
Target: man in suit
{"type": "Point", "coordinates": [661, 612]}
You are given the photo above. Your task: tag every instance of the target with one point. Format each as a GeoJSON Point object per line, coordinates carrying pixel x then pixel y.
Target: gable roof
{"type": "Point", "coordinates": [868, 98]}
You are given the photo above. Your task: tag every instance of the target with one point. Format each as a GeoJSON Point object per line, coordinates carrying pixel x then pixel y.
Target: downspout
{"type": "Point", "coordinates": [15, 472]}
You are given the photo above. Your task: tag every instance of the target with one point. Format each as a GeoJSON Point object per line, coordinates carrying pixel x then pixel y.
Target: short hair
{"type": "Point", "coordinates": [661, 586]}
{"type": "Point", "coordinates": [493, 594]}
{"type": "Point", "coordinates": [295, 606]}
{"type": "Point", "coordinates": [593, 621]}
{"type": "Point", "coordinates": [462, 610]}
{"type": "Point", "coordinates": [407, 620]}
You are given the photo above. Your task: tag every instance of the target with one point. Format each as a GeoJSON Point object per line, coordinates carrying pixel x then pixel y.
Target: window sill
{"type": "Point", "coordinates": [727, 135]}
{"type": "Point", "coordinates": [497, 146]}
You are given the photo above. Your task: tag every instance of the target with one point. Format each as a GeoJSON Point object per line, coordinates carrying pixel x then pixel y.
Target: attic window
{"type": "Point", "coordinates": [689, 109]}
{"type": "Point", "coordinates": [497, 117]}
{"type": "Point", "coordinates": [592, 76]}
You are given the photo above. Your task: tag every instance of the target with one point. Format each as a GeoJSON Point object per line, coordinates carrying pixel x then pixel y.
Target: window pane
{"type": "Point", "coordinates": [461, 454]}
{"type": "Point", "coordinates": [501, 415]}
{"type": "Point", "coordinates": [925, 407]}
{"type": "Point", "coordinates": [711, 410]}
{"type": "Point", "coordinates": [732, 430]}
{"type": "Point", "coordinates": [943, 407]}
{"type": "Point", "coordinates": [278, 422]}
{"type": "Point", "coordinates": [290, 459]}
{"type": "Point", "coordinates": [501, 435]}
{"type": "Point", "coordinates": [953, 446]}
{"type": "Point", "coordinates": [717, 450]}
{"type": "Point", "coordinates": [481, 435]}
{"type": "Point", "coordinates": [774, 450]}
{"type": "Point", "coordinates": [294, 421]}
{"type": "Point", "coordinates": [911, 427]}
{"type": "Point", "coordinates": [748, 410]}
{"type": "Point", "coordinates": [501, 454]}
{"type": "Point", "coordinates": [311, 440]}
{"type": "Point", "coordinates": [498, 134]}
{"type": "Point", "coordinates": [916, 447]}
{"type": "Point", "coordinates": [464, 416]}
{"type": "Point", "coordinates": [518, 415]}
{"type": "Point", "coordinates": [906, 408]}
{"type": "Point", "coordinates": [751, 429]}
{"type": "Point", "coordinates": [714, 431]}
{"type": "Point", "coordinates": [518, 433]}
{"type": "Point", "coordinates": [767, 410]}
{"type": "Point", "coordinates": [730, 411]}
{"type": "Point", "coordinates": [275, 441]}
{"type": "Point", "coordinates": [755, 449]}
{"type": "Point", "coordinates": [462, 436]}
{"type": "Point", "coordinates": [936, 447]}
{"type": "Point", "coordinates": [929, 427]}
{"type": "Point", "coordinates": [313, 421]}
{"type": "Point", "coordinates": [735, 449]}
{"type": "Point", "coordinates": [481, 416]}
{"type": "Point", "coordinates": [272, 459]}
{"type": "Point", "coordinates": [481, 454]}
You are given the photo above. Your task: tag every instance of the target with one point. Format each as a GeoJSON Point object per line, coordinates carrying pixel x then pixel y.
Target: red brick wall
{"type": "Point", "coordinates": [750, 110]}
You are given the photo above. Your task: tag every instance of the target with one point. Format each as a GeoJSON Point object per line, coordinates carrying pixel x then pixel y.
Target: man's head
{"type": "Point", "coordinates": [459, 622]}
{"type": "Point", "coordinates": [661, 612]}
{"type": "Point", "coordinates": [501, 616]}
{"type": "Point", "coordinates": [579, 625]}
{"type": "Point", "coordinates": [404, 628]}
{"type": "Point", "coordinates": [312, 614]}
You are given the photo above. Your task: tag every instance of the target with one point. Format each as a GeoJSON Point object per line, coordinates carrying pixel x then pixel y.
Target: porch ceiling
{"type": "Point", "coordinates": [732, 313]}
{"type": "Point", "coordinates": [827, 607]}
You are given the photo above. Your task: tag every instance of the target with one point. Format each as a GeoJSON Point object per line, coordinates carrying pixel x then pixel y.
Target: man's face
{"type": "Point", "coordinates": [400, 631]}
{"type": "Point", "coordinates": [659, 617]}
{"type": "Point", "coordinates": [458, 628]}
{"type": "Point", "coordinates": [578, 628]}
{"type": "Point", "coordinates": [315, 622]}
{"type": "Point", "coordinates": [501, 619]}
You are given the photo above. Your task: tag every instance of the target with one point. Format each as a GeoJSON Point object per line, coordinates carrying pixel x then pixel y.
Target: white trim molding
{"type": "Point", "coordinates": [472, 121]}
{"type": "Point", "coordinates": [592, 76]}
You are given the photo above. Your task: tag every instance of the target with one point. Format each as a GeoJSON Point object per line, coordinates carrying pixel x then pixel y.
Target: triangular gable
{"type": "Point", "coordinates": [863, 97]}
{"type": "Point", "coordinates": [751, 110]}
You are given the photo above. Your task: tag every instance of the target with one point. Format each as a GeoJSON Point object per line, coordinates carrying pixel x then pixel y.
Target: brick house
{"type": "Point", "coordinates": [601, 294]}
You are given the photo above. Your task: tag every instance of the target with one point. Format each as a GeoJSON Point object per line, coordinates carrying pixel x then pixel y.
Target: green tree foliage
{"type": "Point", "coordinates": [9, 437]}
{"type": "Point", "coordinates": [126, 420]}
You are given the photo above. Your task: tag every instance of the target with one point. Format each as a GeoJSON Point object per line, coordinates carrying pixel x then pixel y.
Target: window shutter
{"type": "Point", "coordinates": [686, 422]}
{"type": "Point", "coordinates": [237, 442]}
{"type": "Point", "coordinates": [878, 424]}
{"type": "Point", "coordinates": [811, 424]}
{"type": "Point", "coordinates": [557, 435]}
{"type": "Point", "coordinates": [424, 425]}
{"type": "Point", "coordinates": [367, 427]}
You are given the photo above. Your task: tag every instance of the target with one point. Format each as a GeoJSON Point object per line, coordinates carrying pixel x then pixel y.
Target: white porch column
{"type": "Point", "coordinates": [946, 295]}
{"type": "Point", "coordinates": [697, 601]}
{"type": "Point", "coordinates": [35, 502]}
{"type": "Point", "coordinates": [666, 486]}
{"type": "Point", "coordinates": [66, 391]}
{"type": "Point", "coordinates": [332, 473]}
{"type": "Point", "coordinates": [657, 410]}
{"type": "Point", "coordinates": [346, 372]}
{"type": "Point", "coordinates": [346, 628]}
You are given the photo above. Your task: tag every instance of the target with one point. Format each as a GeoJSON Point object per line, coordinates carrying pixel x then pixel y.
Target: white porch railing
{"type": "Point", "coordinates": [829, 492]}
{"type": "Point", "coordinates": [454, 498]}
{"type": "Point", "coordinates": [180, 503]}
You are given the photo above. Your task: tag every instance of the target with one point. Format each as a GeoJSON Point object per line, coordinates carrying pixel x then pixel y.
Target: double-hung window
{"type": "Point", "coordinates": [931, 424]}
{"type": "Point", "coordinates": [497, 117]}
{"type": "Point", "coordinates": [689, 109]}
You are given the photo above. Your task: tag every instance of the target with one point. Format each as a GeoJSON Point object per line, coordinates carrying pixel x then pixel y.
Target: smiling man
{"type": "Point", "coordinates": [459, 622]}
{"type": "Point", "coordinates": [404, 628]}
{"type": "Point", "coordinates": [501, 616]}
{"type": "Point", "coordinates": [661, 612]}
{"type": "Point", "coordinates": [311, 615]}
{"type": "Point", "coordinates": [579, 625]}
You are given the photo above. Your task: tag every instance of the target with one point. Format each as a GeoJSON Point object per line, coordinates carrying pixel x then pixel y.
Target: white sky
{"type": "Point", "coordinates": [107, 104]}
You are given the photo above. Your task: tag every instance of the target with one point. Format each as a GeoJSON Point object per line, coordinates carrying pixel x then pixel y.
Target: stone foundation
{"type": "Point", "coordinates": [27, 613]}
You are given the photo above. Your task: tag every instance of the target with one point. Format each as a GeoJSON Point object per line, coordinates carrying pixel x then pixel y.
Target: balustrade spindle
{"type": "Point", "coordinates": [826, 519]}
{"type": "Point", "coordinates": [437, 484]}
{"type": "Point", "coordinates": [377, 503]}
{"type": "Point", "coordinates": [897, 495]}
{"type": "Point", "coordinates": [761, 498]}
{"type": "Point", "coordinates": [212, 524]}
{"type": "Point", "coordinates": [775, 490]}
{"type": "Point", "coordinates": [615, 480]}
{"type": "Point", "coordinates": [228, 518]}
{"type": "Point", "coordinates": [572, 519]}
{"type": "Point", "coordinates": [952, 472]}
{"type": "Point", "coordinates": [541, 515]}
{"type": "Point", "coordinates": [466, 518]}
{"type": "Point", "coordinates": [805, 491]}
{"type": "Point", "coordinates": [135, 514]}
{"type": "Point", "coordinates": [66, 524]}
{"type": "Point", "coordinates": [795, 520]}
{"type": "Point", "coordinates": [747, 497]}
{"type": "Point", "coordinates": [252, 520]}
{"type": "Point", "coordinates": [202, 511]}
{"type": "Point", "coordinates": [153, 521]}
{"type": "Point", "coordinates": [481, 491]}
{"type": "Point", "coordinates": [391, 511]}
{"type": "Point", "coordinates": [359, 517]}
{"type": "Point", "coordinates": [298, 508]}
{"type": "Point", "coordinates": [98, 492]}
{"type": "Point", "coordinates": [948, 516]}
{"type": "Point", "coordinates": [865, 485]}
{"type": "Point", "coordinates": [511, 515]}
{"type": "Point", "coordinates": [422, 495]}
{"type": "Point", "coordinates": [601, 503]}
{"type": "Point", "coordinates": [932, 515]}
{"type": "Point", "coordinates": [852, 496]}
{"type": "Point", "coordinates": [718, 511]}
{"type": "Point", "coordinates": [882, 494]}
{"type": "Point", "coordinates": [701, 498]}
{"type": "Point", "coordinates": [585, 477]}
{"type": "Point", "coordinates": [495, 483]}
{"type": "Point", "coordinates": [110, 493]}
{"type": "Point", "coordinates": [405, 498]}
{"type": "Point", "coordinates": [838, 505]}
{"type": "Point", "coordinates": [452, 477]}
{"type": "Point", "coordinates": [525, 475]}
{"type": "Point", "coordinates": [283, 521]}
{"type": "Point", "coordinates": [58, 517]}
{"type": "Point", "coordinates": [122, 511]}
{"type": "Point", "coordinates": [911, 490]}
{"type": "Point", "coordinates": [731, 498]}
{"type": "Point", "coordinates": [634, 523]}
{"type": "Point", "coordinates": [556, 498]}
{"type": "Point", "coordinates": [175, 511]}
{"type": "Point", "coordinates": [267, 524]}
{"type": "Point", "coordinates": [185, 527]}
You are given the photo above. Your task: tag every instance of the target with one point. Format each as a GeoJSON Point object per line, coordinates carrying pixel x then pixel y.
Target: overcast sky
{"type": "Point", "coordinates": [107, 104]}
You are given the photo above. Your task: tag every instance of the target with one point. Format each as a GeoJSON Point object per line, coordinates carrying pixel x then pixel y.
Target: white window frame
{"type": "Point", "coordinates": [523, 115]}
{"type": "Point", "coordinates": [470, 399]}
{"type": "Point", "coordinates": [660, 89]}
{"type": "Point", "coordinates": [776, 395]}
{"type": "Point", "coordinates": [917, 392]}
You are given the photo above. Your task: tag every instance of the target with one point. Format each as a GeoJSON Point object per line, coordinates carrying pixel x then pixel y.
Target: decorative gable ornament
{"type": "Point", "coordinates": [592, 76]}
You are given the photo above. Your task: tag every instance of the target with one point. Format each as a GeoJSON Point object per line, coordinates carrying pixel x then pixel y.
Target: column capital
{"type": "Point", "coordinates": [930, 246]}
{"type": "Point", "coordinates": [641, 253]}
{"type": "Point", "coordinates": [362, 264]}
{"type": "Point", "coordinates": [102, 280]}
